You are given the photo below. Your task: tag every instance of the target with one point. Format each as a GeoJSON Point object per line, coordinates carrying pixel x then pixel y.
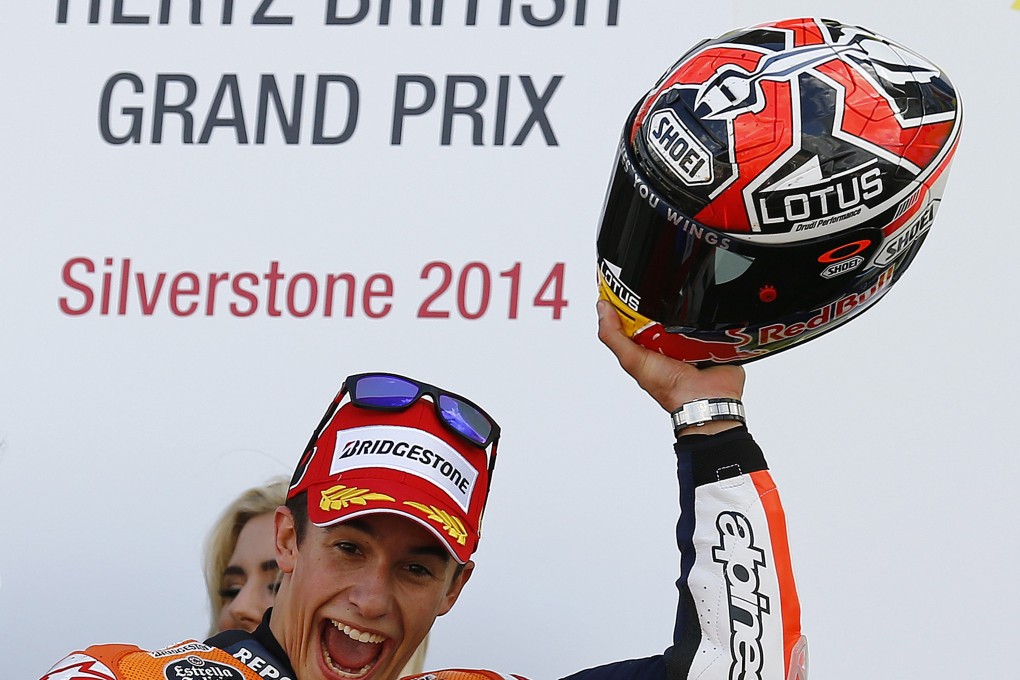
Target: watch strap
{"type": "Point", "coordinates": [700, 411]}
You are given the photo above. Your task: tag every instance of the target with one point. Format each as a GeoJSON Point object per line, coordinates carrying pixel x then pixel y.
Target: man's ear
{"type": "Point", "coordinates": [456, 587]}
{"type": "Point", "coordinates": [285, 536]}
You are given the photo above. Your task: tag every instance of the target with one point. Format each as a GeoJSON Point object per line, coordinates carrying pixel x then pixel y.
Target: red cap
{"type": "Point", "coordinates": [402, 462]}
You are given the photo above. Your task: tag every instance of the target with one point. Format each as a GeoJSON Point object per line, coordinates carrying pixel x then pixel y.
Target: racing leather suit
{"type": "Point", "coordinates": [738, 615]}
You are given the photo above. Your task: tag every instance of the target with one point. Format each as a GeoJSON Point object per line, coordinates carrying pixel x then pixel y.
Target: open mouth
{"type": "Point", "coordinates": [349, 652]}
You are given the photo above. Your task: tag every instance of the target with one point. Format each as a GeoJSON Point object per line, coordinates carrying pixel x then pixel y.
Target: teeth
{"type": "Point", "coordinates": [342, 672]}
{"type": "Point", "coordinates": [360, 636]}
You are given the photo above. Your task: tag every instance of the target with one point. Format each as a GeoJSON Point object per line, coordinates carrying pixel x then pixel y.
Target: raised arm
{"type": "Point", "coordinates": [738, 615]}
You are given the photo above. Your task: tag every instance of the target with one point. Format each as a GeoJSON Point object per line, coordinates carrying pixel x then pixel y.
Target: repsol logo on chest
{"type": "Point", "coordinates": [791, 205]}
{"type": "Point", "coordinates": [680, 150]}
{"type": "Point", "coordinates": [197, 668]}
{"type": "Point", "coordinates": [258, 664]}
{"type": "Point", "coordinates": [742, 560]}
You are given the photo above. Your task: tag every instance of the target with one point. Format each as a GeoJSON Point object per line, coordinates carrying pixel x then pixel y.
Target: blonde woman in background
{"type": "Point", "coordinates": [241, 575]}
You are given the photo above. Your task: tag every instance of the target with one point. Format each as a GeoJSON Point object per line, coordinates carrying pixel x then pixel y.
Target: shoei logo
{"type": "Point", "coordinates": [681, 151]}
{"type": "Point", "coordinates": [741, 561]}
{"type": "Point", "coordinates": [905, 237]}
{"type": "Point", "coordinates": [834, 270]}
{"type": "Point", "coordinates": [196, 668]}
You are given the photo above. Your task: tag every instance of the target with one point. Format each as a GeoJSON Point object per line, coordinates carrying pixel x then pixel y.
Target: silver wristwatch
{"type": "Point", "coordinates": [700, 411]}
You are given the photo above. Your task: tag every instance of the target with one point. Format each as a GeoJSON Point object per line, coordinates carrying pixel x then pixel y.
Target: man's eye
{"type": "Point", "coordinates": [419, 570]}
{"type": "Point", "coordinates": [350, 548]}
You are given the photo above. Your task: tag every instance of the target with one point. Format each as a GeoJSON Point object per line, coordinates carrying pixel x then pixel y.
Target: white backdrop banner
{"type": "Point", "coordinates": [211, 212]}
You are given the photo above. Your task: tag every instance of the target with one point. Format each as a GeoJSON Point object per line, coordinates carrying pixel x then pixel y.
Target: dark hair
{"type": "Point", "coordinates": [298, 506]}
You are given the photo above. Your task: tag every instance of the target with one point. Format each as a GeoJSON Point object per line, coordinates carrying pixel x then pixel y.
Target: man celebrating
{"type": "Point", "coordinates": [382, 516]}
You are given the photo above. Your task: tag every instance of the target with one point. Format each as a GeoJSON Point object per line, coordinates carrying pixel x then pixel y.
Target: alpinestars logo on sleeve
{"type": "Point", "coordinates": [742, 560]}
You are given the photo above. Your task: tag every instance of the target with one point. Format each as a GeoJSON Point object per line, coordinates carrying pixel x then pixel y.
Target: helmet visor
{"type": "Point", "coordinates": [685, 275]}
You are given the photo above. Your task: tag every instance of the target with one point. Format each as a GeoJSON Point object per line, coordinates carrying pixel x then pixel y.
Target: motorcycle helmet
{"type": "Point", "coordinates": [772, 185]}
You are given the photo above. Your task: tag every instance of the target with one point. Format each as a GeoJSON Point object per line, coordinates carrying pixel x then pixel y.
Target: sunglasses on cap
{"type": "Point", "coordinates": [392, 392]}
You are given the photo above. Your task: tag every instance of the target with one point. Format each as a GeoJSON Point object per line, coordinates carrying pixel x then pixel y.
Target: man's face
{"type": "Point", "coordinates": [357, 598]}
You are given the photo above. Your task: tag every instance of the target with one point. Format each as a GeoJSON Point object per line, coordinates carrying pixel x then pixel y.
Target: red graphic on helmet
{"type": "Point", "coordinates": [696, 350]}
{"type": "Point", "coordinates": [772, 173]}
{"type": "Point", "coordinates": [757, 102]}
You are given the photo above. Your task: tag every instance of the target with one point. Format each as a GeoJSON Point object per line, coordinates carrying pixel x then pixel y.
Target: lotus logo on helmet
{"type": "Point", "coordinates": [611, 273]}
{"type": "Point", "coordinates": [810, 201]}
{"type": "Point", "coordinates": [675, 146]}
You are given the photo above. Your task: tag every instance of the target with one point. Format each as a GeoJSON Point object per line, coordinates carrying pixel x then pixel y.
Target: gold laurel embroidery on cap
{"type": "Point", "coordinates": [339, 497]}
{"type": "Point", "coordinates": [451, 524]}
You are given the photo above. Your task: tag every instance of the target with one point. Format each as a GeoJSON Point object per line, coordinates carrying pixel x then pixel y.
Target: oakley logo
{"type": "Point", "coordinates": [741, 561]}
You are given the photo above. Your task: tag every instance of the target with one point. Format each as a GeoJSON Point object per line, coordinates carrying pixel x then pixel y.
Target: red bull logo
{"type": "Point", "coordinates": [696, 350]}
{"type": "Point", "coordinates": [830, 316]}
{"type": "Point", "coordinates": [746, 344]}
